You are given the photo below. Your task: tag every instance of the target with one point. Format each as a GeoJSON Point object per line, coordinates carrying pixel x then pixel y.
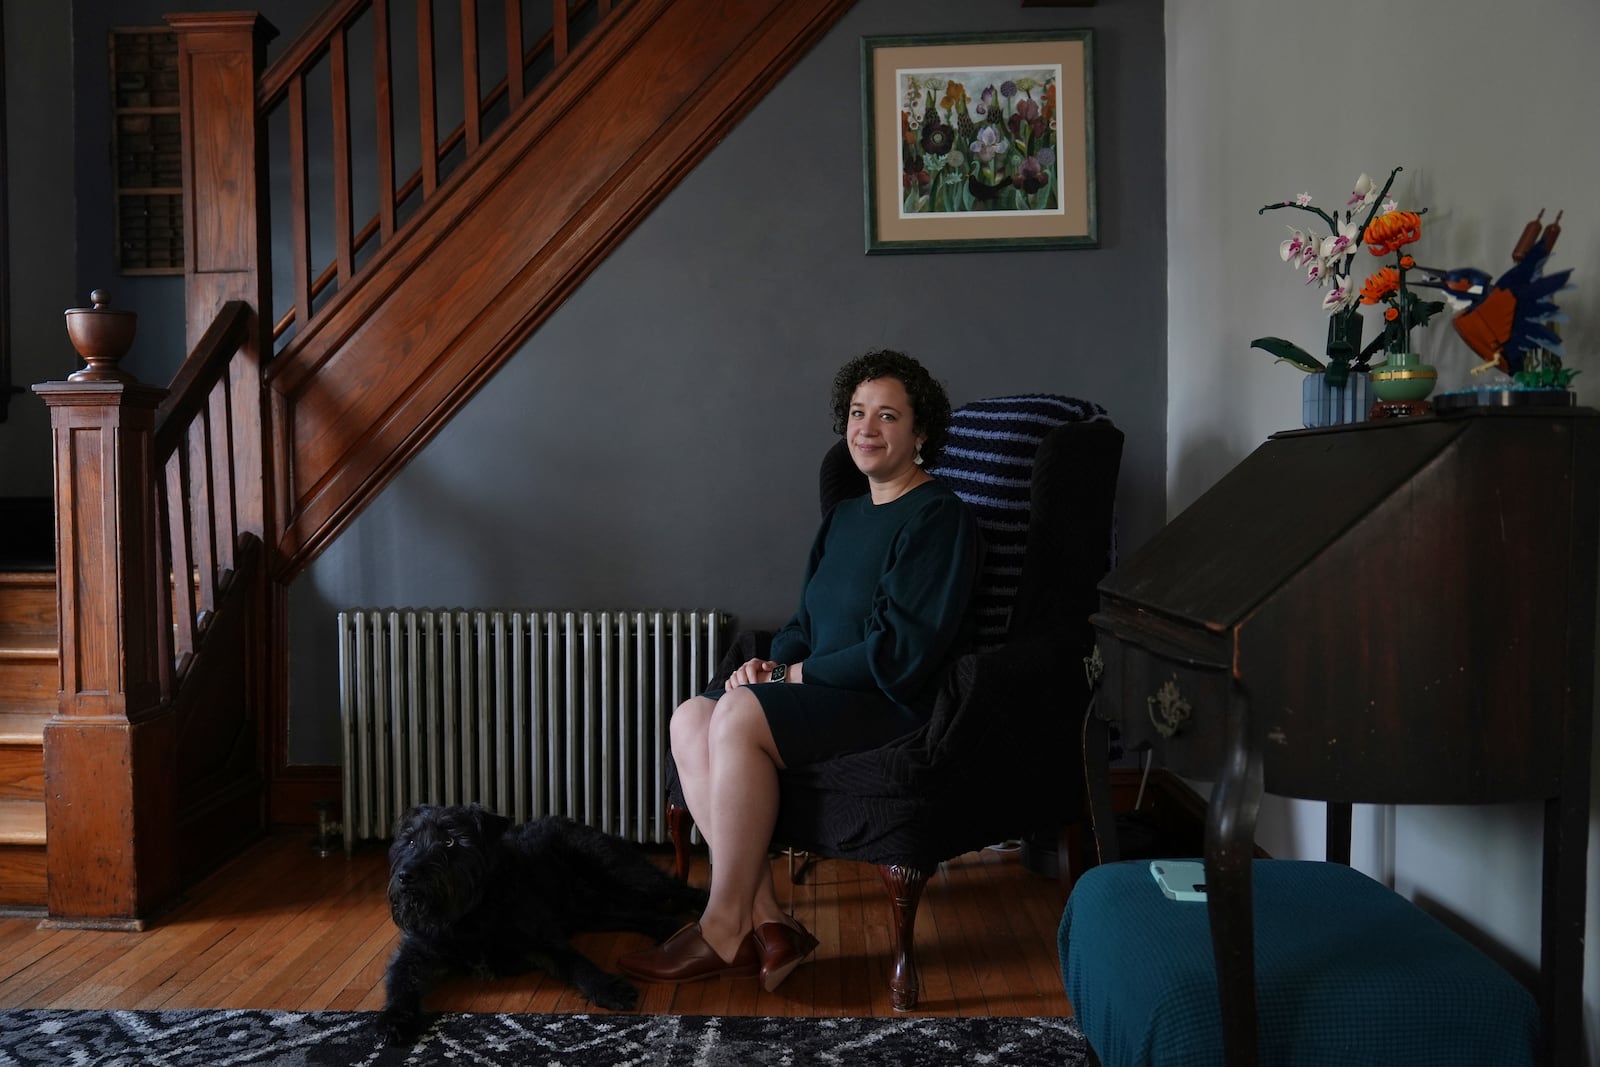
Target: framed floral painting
{"type": "Point", "coordinates": [979, 141]}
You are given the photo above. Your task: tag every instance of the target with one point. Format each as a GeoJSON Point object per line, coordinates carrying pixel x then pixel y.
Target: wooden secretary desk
{"type": "Point", "coordinates": [1396, 612]}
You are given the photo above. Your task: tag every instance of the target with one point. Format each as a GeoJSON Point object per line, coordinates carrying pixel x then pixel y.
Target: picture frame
{"type": "Point", "coordinates": [1000, 128]}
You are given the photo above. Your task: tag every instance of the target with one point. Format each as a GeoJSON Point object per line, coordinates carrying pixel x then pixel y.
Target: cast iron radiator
{"type": "Point", "coordinates": [528, 713]}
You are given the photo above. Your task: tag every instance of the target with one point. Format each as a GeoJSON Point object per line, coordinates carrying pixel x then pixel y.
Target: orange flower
{"type": "Point", "coordinates": [1406, 262]}
{"type": "Point", "coordinates": [1380, 285]}
{"type": "Point", "coordinates": [1388, 233]}
{"type": "Point", "coordinates": [1390, 314]}
{"type": "Point", "coordinates": [953, 91]}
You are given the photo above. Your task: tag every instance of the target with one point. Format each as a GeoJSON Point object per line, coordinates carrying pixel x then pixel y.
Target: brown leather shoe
{"type": "Point", "coordinates": [783, 948]}
{"type": "Point", "coordinates": [687, 957]}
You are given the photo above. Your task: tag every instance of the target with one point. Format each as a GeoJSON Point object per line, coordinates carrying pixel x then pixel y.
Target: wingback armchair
{"type": "Point", "coordinates": [1000, 757]}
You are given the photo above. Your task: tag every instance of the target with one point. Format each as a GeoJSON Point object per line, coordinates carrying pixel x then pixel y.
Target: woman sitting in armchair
{"type": "Point", "coordinates": [882, 613]}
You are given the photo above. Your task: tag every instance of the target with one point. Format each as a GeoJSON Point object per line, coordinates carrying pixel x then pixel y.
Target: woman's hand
{"type": "Point", "coordinates": [760, 670]}
{"type": "Point", "coordinates": [751, 672]}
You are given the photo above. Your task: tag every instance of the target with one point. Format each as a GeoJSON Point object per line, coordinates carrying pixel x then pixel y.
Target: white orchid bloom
{"type": "Point", "coordinates": [1342, 243]}
{"type": "Point", "coordinates": [1364, 192]}
{"type": "Point", "coordinates": [1320, 272]}
{"type": "Point", "coordinates": [1390, 204]}
{"type": "Point", "coordinates": [1290, 250]}
{"type": "Point", "coordinates": [1343, 294]}
{"type": "Point", "coordinates": [1312, 249]}
{"type": "Point", "coordinates": [1303, 199]}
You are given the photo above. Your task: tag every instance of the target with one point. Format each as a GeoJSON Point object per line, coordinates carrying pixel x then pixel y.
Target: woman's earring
{"type": "Point", "coordinates": [918, 459]}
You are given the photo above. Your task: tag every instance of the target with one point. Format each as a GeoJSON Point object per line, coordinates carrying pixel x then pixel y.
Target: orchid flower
{"type": "Point", "coordinates": [1342, 243]}
{"type": "Point", "coordinates": [1342, 295]}
{"type": "Point", "coordinates": [1312, 249]}
{"type": "Point", "coordinates": [1291, 249]}
{"type": "Point", "coordinates": [1363, 193]}
{"type": "Point", "coordinates": [1302, 199]}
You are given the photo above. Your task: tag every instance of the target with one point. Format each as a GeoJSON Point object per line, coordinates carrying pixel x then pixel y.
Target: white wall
{"type": "Point", "coordinates": [1491, 108]}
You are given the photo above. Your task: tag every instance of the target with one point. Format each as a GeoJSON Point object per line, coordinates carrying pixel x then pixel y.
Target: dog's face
{"type": "Point", "coordinates": [440, 863]}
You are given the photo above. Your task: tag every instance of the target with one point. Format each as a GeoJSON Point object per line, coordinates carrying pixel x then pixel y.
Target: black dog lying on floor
{"type": "Point", "coordinates": [470, 892]}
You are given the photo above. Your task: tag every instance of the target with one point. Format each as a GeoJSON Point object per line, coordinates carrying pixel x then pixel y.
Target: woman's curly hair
{"type": "Point", "coordinates": [930, 406]}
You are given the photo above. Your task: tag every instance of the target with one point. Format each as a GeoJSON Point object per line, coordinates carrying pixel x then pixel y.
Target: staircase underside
{"type": "Point", "coordinates": [386, 363]}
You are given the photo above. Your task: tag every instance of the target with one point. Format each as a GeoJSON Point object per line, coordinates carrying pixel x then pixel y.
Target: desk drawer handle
{"type": "Point", "coordinates": [1168, 710]}
{"type": "Point", "coordinates": [1094, 665]}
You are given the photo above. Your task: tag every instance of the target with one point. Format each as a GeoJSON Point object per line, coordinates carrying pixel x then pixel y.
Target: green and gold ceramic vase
{"type": "Point", "coordinates": [1404, 378]}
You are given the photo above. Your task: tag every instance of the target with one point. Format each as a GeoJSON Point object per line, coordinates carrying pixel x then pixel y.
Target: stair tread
{"type": "Point", "coordinates": [21, 727]}
{"type": "Point", "coordinates": [27, 644]}
{"type": "Point", "coordinates": [21, 822]}
{"type": "Point", "coordinates": [37, 579]}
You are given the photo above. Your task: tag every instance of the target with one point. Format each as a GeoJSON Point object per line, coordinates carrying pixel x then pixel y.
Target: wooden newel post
{"type": "Point", "coordinates": [221, 57]}
{"type": "Point", "coordinates": [109, 749]}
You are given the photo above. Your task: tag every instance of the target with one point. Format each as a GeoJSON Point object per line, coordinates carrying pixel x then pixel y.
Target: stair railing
{"type": "Point", "coordinates": [201, 544]}
{"type": "Point", "coordinates": [311, 90]}
{"type": "Point", "coordinates": [153, 556]}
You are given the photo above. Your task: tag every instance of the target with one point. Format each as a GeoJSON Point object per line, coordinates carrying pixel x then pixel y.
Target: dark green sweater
{"type": "Point", "coordinates": [886, 593]}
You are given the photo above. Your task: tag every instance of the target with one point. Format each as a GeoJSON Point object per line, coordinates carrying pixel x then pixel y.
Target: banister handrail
{"type": "Point", "coordinates": [323, 40]}
{"type": "Point", "coordinates": [304, 50]}
{"type": "Point", "coordinates": [370, 230]}
{"type": "Point", "coordinates": [192, 385]}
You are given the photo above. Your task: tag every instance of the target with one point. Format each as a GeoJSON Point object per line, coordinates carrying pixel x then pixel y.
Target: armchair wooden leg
{"type": "Point", "coordinates": [905, 892]}
{"type": "Point", "coordinates": [679, 824]}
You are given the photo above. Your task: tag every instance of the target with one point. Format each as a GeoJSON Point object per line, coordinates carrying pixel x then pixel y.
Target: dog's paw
{"type": "Point", "coordinates": [614, 992]}
{"type": "Point", "coordinates": [400, 1027]}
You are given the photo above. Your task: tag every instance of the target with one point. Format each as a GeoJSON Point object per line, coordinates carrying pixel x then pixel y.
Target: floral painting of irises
{"type": "Point", "coordinates": [978, 140]}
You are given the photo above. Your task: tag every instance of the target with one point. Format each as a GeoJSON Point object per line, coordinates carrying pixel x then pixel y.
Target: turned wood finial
{"type": "Point", "coordinates": [102, 335]}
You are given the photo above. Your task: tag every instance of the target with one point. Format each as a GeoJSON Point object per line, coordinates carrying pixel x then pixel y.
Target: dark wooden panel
{"type": "Point", "coordinates": [22, 876]}
{"type": "Point", "coordinates": [30, 674]}
{"type": "Point", "coordinates": [28, 602]}
{"type": "Point", "coordinates": [1135, 679]}
{"type": "Point", "coordinates": [1446, 604]}
{"type": "Point", "coordinates": [1402, 612]}
{"type": "Point", "coordinates": [112, 854]}
{"type": "Point", "coordinates": [218, 729]}
{"type": "Point", "coordinates": [223, 240]}
{"type": "Point", "coordinates": [1240, 527]}
{"type": "Point", "coordinates": [22, 770]}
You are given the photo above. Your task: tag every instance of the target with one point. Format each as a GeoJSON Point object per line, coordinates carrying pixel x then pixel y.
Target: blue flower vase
{"type": "Point", "coordinates": [1324, 405]}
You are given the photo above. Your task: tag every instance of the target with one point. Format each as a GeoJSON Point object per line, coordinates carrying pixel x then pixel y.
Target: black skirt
{"type": "Point", "coordinates": [813, 723]}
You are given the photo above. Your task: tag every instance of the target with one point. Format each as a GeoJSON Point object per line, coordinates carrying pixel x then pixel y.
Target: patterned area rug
{"type": "Point", "coordinates": [345, 1039]}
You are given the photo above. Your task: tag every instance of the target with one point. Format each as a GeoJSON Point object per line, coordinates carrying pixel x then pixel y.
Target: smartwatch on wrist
{"type": "Point", "coordinates": [780, 673]}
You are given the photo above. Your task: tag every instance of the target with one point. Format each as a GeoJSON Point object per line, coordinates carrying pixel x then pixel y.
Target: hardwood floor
{"type": "Point", "coordinates": [279, 927]}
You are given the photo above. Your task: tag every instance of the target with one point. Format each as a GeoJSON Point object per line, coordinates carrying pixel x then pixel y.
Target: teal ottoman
{"type": "Point", "coordinates": [1348, 974]}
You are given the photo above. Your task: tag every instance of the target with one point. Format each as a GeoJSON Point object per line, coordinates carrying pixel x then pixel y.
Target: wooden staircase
{"type": "Point", "coordinates": [28, 685]}
{"type": "Point", "coordinates": [167, 742]}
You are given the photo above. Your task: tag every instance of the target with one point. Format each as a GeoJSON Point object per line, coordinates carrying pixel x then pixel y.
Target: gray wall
{"type": "Point", "coordinates": [656, 444]}
{"type": "Point", "coordinates": [40, 216]}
